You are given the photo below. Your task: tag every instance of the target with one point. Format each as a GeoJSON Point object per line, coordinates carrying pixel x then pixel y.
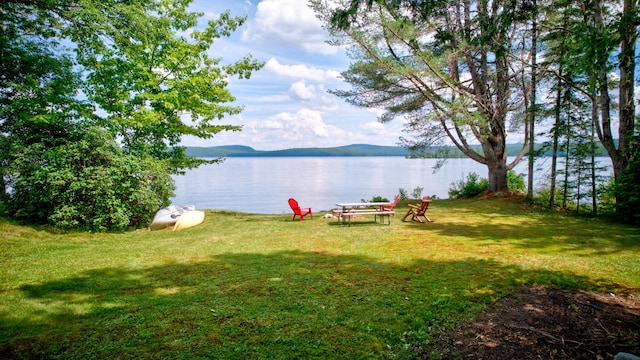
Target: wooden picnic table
{"type": "Point", "coordinates": [349, 210]}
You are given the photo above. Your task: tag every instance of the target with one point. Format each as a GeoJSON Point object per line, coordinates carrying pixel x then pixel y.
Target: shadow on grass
{"type": "Point", "coordinates": [287, 304]}
{"type": "Point", "coordinates": [535, 230]}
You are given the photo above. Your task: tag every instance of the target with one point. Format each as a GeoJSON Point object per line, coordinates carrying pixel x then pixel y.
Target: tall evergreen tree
{"type": "Point", "coordinates": [586, 41]}
{"type": "Point", "coordinates": [533, 109]}
{"type": "Point", "coordinates": [613, 40]}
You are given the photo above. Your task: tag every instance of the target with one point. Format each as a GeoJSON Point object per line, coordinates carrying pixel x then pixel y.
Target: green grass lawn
{"type": "Point", "coordinates": [246, 286]}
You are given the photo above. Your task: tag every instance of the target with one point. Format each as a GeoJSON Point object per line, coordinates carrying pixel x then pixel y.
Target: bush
{"type": "Point", "coordinates": [403, 194]}
{"type": "Point", "coordinates": [515, 182]}
{"type": "Point", "coordinates": [88, 184]}
{"type": "Point", "coordinates": [376, 199]}
{"type": "Point", "coordinates": [473, 186]}
{"type": "Point", "coordinates": [415, 194]}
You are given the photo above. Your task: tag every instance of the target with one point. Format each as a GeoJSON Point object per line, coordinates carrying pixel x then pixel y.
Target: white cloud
{"type": "Point", "coordinates": [300, 90]}
{"type": "Point", "coordinates": [304, 128]}
{"type": "Point", "coordinates": [299, 129]}
{"type": "Point", "coordinates": [270, 124]}
{"type": "Point", "coordinates": [302, 124]}
{"type": "Point", "coordinates": [289, 23]}
{"type": "Point", "coordinates": [300, 71]}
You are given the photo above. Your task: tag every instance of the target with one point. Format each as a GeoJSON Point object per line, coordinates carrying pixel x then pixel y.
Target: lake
{"type": "Point", "coordinates": [264, 184]}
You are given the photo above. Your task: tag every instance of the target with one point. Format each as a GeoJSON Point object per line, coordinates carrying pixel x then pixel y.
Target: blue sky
{"type": "Point", "coordinates": [286, 104]}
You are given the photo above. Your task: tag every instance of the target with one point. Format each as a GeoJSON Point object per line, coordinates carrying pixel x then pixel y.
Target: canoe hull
{"type": "Point", "coordinates": [165, 218]}
{"type": "Point", "coordinates": [189, 219]}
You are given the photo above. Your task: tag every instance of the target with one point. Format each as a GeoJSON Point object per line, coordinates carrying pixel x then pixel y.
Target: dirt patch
{"type": "Point", "coordinates": [542, 323]}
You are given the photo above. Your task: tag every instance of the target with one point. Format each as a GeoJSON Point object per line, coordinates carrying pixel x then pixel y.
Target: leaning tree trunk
{"type": "Point", "coordinates": [622, 155]}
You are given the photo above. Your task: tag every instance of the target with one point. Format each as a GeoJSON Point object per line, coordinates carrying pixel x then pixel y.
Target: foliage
{"type": "Point", "coordinates": [403, 194]}
{"type": "Point", "coordinates": [262, 286]}
{"type": "Point", "coordinates": [89, 183]}
{"type": "Point", "coordinates": [37, 96]}
{"type": "Point", "coordinates": [584, 48]}
{"type": "Point", "coordinates": [473, 186]}
{"type": "Point", "coordinates": [543, 196]}
{"type": "Point", "coordinates": [607, 198]}
{"type": "Point", "coordinates": [515, 182]}
{"type": "Point", "coordinates": [376, 199]}
{"type": "Point", "coordinates": [458, 69]}
{"type": "Point", "coordinates": [628, 185]}
{"type": "Point", "coordinates": [417, 192]}
{"type": "Point", "coordinates": [156, 85]}
{"type": "Point", "coordinates": [144, 64]}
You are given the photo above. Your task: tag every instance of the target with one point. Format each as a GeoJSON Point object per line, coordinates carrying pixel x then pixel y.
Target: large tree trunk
{"type": "Point", "coordinates": [620, 156]}
{"type": "Point", "coordinates": [497, 174]}
{"type": "Point", "coordinates": [494, 149]}
{"type": "Point", "coordinates": [629, 35]}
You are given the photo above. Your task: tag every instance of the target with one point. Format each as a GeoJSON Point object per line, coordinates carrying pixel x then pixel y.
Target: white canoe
{"type": "Point", "coordinates": [189, 219]}
{"type": "Point", "coordinates": [168, 216]}
{"type": "Point", "coordinates": [164, 218]}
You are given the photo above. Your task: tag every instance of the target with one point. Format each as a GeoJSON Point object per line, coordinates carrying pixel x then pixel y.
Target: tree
{"type": "Point", "coordinates": [143, 68]}
{"type": "Point", "coordinates": [532, 109]}
{"type": "Point", "coordinates": [557, 16]}
{"type": "Point", "coordinates": [144, 75]}
{"type": "Point", "coordinates": [449, 67]}
{"type": "Point", "coordinates": [140, 70]}
{"type": "Point", "coordinates": [613, 39]}
{"type": "Point", "coordinates": [598, 38]}
{"type": "Point", "coordinates": [628, 209]}
{"type": "Point", "coordinates": [38, 90]}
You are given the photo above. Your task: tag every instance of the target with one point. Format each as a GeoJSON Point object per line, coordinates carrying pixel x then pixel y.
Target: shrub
{"type": "Point", "coordinates": [473, 186]}
{"type": "Point", "coordinates": [88, 184]}
{"type": "Point", "coordinates": [376, 199]}
{"type": "Point", "coordinates": [627, 192]}
{"type": "Point", "coordinates": [417, 192]}
{"type": "Point", "coordinates": [403, 194]}
{"type": "Point", "coordinates": [515, 182]}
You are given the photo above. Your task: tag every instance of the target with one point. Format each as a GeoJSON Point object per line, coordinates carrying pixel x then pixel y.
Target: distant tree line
{"type": "Point", "coordinates": [430, 152]}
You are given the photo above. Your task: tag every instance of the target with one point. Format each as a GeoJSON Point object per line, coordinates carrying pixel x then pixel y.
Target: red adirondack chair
{"type": "Point", "coordinates": [298, 211]}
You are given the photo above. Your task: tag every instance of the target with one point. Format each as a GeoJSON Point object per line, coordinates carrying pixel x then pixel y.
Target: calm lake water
{"type": "Point", "coordinates": [263, 185]}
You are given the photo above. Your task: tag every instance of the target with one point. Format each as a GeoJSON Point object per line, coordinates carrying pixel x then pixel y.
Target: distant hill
{"type": "Point", "coordinates": [348, 150]}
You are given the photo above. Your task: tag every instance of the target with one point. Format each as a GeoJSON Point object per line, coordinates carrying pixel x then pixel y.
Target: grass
{"type": "Point", "coordinates": [262, 286]}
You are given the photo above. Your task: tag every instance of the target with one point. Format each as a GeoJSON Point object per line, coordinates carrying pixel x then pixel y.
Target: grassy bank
{"type": "Point", "coordinates": [263, 286]}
